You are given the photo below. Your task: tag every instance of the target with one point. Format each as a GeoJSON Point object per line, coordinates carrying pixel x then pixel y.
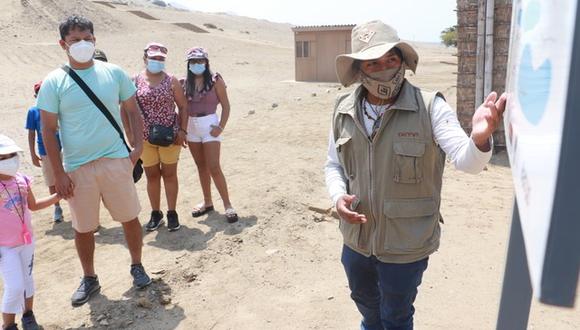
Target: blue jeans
{"type": "Point", "coordinates": [383, 292]}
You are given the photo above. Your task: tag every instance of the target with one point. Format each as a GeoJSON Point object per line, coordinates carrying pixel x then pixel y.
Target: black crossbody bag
{"type": "Point", "coordinates": [138, 168]}
{"type": "Point", "coordinates": [160, 135]}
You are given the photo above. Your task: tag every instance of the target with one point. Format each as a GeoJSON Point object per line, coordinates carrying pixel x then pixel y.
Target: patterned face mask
{"type": "Point", "coordinates": [384, 84]}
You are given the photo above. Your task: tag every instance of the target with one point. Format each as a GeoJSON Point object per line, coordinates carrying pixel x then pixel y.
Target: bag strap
{"type": "Point", "coordinates": [136, 83]}
{"type": "Point", "coordinates": [96, 101]}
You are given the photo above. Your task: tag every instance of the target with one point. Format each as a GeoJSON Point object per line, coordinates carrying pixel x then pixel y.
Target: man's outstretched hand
{"type": "Point", "coordinates": [487, 119]}
{"type": "Point", "coordinates": [343, 208]}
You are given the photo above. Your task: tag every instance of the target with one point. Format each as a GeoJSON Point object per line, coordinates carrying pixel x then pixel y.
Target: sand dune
{"type": "Point", "coordinates": [278, 268]}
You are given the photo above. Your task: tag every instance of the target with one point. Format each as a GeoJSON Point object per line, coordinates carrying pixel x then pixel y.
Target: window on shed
{"type": "Point", "coordinates": [302, 48]}
{"type": "Point", "coordinates": [298, 48]}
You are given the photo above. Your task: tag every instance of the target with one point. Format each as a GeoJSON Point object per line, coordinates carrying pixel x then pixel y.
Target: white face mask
{"type": "Point", "coordinates": [10, 166]}
{"type": "Point", "coordinates": [82, 51]}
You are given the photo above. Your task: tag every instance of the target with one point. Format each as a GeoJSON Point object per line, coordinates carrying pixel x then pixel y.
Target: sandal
{"type": "Point", "coordinates": [200, 210]}
{"type": "Point", "coordinates": [231, 215]}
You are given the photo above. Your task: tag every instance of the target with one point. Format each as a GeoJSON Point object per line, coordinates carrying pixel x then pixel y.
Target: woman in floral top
{"type": "Point", "coordinates": [157, 94]}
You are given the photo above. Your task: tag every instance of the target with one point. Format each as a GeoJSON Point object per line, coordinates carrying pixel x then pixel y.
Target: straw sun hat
{"type": "Point", "coordinates": [370, 41]}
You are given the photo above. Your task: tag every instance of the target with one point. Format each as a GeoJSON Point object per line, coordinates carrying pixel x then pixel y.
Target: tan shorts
{"type": "Point", "coordinates": [47, 172]}
{"type": "Point", "coordinates": [106, 179]}
{"type": "Point", "coordinates": [153, 155]}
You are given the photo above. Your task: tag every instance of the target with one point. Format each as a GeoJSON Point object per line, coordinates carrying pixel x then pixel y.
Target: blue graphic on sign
{"type": "Point", "coordinates": [532, 15]}
{"type": "Point", "coordinates": [533, 86]}
{"type": "Point", "coordinates": [533, 83]}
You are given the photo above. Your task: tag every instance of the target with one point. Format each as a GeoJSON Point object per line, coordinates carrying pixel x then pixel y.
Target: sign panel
{"type": "Point", "coordinates": [538, 77]}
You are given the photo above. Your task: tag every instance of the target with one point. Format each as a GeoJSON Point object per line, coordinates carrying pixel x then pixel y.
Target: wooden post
{"type": "Point", "coordinates": [488, 67]}
{"type": "Point", "coordinates": [480, 53]}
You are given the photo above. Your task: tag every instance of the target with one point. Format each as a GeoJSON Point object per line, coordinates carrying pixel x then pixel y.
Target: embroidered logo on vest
{"type": "Point", "coordinates": [408, 134]}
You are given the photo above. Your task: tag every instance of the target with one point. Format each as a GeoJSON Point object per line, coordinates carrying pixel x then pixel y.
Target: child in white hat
{"type": "Point", "coordinates": [16, 238]}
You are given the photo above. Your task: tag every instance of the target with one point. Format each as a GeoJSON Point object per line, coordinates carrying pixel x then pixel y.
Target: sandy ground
{"type": "Point", "coordinates": [278, 268]}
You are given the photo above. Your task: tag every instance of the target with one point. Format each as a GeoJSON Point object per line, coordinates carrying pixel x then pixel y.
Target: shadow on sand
{"type": "Point", "coordinates": [186, 238]}
{"type": "Point", "coordinates": [150, 308]}
{"type": "Point", "coordinates": [194, 239]}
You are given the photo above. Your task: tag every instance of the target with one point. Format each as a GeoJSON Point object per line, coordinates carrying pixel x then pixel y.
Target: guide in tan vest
{"type": "Point", "coordinates": [386, 155]}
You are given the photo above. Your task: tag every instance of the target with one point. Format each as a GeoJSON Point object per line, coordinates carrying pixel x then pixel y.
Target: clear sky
{"type": "Point", "coordinates": [418, 20]}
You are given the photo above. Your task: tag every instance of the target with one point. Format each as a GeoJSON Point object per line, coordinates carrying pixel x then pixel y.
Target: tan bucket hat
{"type": "Point", "coordinates": [370, 41]}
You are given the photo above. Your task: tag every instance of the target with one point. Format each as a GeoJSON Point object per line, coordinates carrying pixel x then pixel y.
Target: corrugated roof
{"type": "Point", "coordinates": [308, 28]}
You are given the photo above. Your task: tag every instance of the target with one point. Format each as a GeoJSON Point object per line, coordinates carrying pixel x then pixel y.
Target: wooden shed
{"type": "Point", "coordinates": [316, 48]}
{"type": "Point", "coordinates": [483, 33]}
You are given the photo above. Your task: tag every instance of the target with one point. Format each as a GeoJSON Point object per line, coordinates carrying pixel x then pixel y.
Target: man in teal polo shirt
{"type": "Point", "coordinates": [97, 166]}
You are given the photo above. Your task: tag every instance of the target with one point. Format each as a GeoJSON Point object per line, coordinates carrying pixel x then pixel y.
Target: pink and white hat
{"type": "Point", "coordinates": [155, 49]}
{"type": "Point", "coordinates": [195, 53]}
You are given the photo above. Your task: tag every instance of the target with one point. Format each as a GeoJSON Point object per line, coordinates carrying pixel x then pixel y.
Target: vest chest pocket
{"type": "Point", "coordinates": [343, 144]}
{"type": "Point", "coordinates": [340, 142]}
{"type": "Point", "coordinates": [408, 162]}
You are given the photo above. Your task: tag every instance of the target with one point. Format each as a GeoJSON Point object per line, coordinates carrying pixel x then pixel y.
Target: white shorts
{"type": "Point", "coordinates": [198, 129]}
{"type": "Point", "coordinates": [16, 269]}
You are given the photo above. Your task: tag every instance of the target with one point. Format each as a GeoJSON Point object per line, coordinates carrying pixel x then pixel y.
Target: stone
{"type": "Point", "coordinates": [164, 300]}
{"type": "Point", "coordinates": [190, 277]}
{"type": "Point", "coordinates": [274, 105]}
{"type": "Point", "coordinates": [144, 303]}
{"type": "Point", "coordinates": [318, 218]}
{"type": "Point", "coordinates": [238, 240]}
{"type": "Point", "coordinates": [313, 94]}
{"type": "Point", "coordinates": [251, 112]}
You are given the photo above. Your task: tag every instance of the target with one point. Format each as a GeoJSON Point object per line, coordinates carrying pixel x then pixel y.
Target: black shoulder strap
{"type": "Point", "coordinates": [135, 82]}
{"type": "Point", "coordinates": [96, 101]}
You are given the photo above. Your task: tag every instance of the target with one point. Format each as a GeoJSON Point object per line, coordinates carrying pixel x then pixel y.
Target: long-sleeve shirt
{"type": "Point", "coordinates": [447, 133]}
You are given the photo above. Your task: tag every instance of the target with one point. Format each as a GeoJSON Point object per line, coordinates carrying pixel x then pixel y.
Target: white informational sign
{"type": "Point", "coordinates": [537, 85]}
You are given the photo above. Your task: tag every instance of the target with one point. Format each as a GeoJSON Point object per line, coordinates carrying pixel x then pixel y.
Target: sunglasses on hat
{"type": "Point", "coordinates": [159, 48]}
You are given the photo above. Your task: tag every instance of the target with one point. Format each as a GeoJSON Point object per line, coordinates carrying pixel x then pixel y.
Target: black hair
{"type": "Point", "coordinates": [399, 53]}
{"type": "Point", "coordinates": [190, 80]}
{"type": "Point", "coordinates": [75, 22]}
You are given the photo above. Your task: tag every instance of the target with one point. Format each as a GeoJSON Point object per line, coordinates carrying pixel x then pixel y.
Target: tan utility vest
{"type": "Point", "coordinates": [397, 176]}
